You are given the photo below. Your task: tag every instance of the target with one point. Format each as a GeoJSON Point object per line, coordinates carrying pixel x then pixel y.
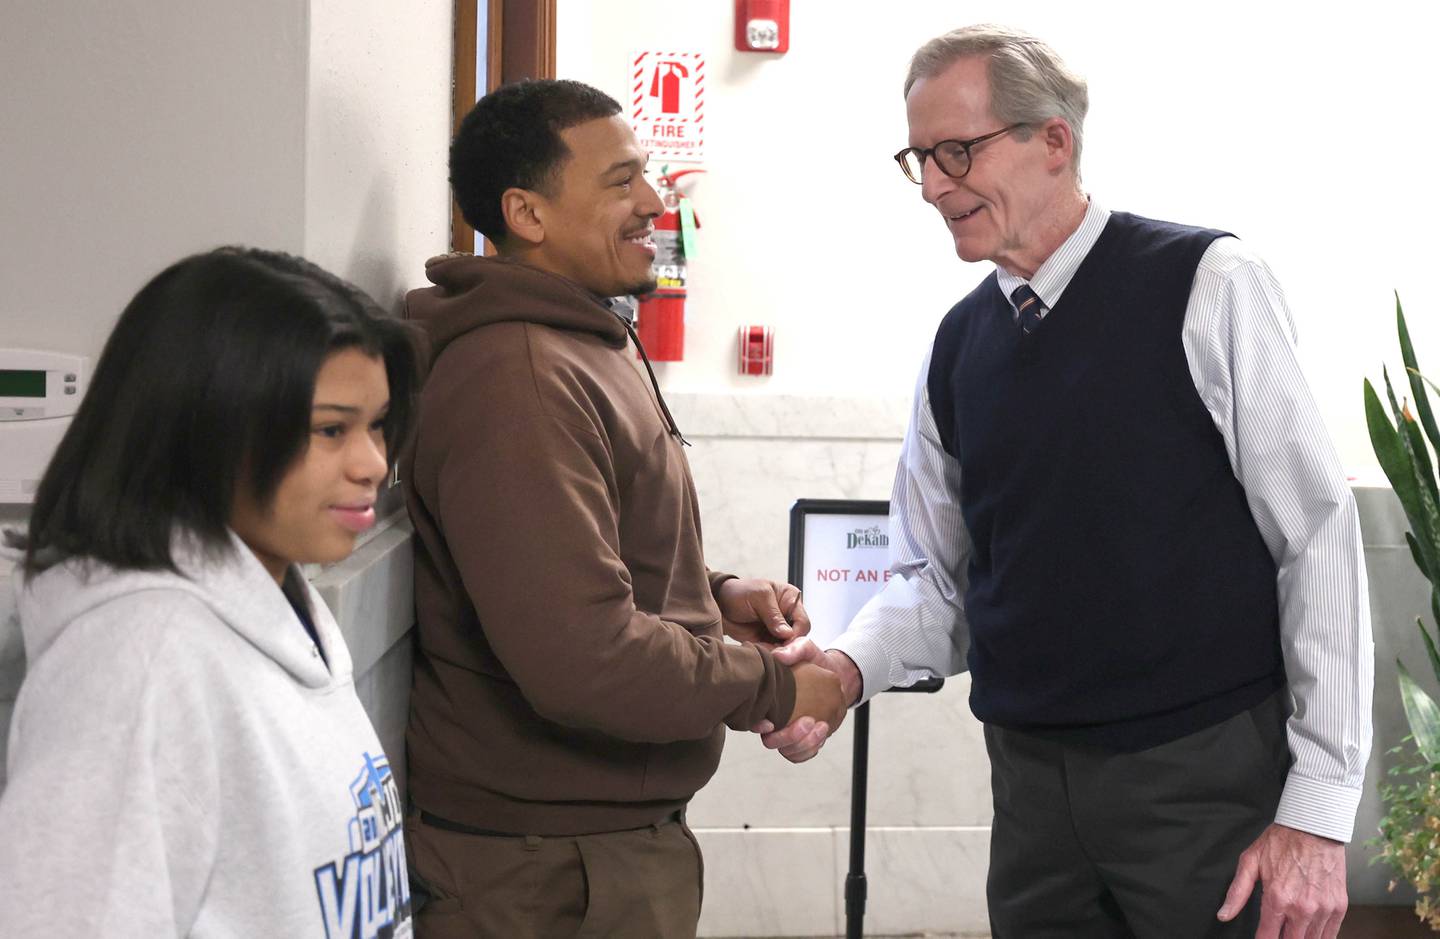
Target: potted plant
{"type": "Point", "coordinates": [1403, 440]}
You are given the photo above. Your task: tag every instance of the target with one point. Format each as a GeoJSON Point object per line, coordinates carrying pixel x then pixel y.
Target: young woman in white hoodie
{"type": "Point", "coordinates": [188, 756]}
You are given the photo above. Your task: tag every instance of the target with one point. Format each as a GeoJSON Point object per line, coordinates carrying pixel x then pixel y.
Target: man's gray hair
{"type": "Point", "coordinates": [1029, 82]}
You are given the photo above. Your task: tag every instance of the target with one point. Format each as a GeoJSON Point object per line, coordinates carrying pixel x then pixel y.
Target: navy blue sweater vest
{"type": "Point", "coordinates": [1119, 591]}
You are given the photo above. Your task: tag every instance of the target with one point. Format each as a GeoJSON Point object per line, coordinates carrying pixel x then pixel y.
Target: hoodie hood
{"type": "Point", "coordinates": [233, 585]}
{"type": "Point", "coordinates": [472, 291]}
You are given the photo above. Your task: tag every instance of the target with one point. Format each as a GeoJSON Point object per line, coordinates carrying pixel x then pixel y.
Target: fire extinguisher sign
{"type": "Point", "coordinates": [667, 104]}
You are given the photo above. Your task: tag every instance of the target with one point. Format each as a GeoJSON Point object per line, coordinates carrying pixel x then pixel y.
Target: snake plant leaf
{"type": "Point", "coordinates": [1419, 560]}
{"type": "Point", "coordinates": [1429, 647]}
{"type": "Point", "coordinates": [1417, 382]}
{"type": "Point", "coordinates": [1390, 451]}
{"type": "Point", "coordinates": [1422, 714]}
{"type": "Point", "coordinates": [1435, 606]}
{"type": "Point", "coordinates": [1434, 387]}
{"type": "Point", "coordinates": [1426, 523]}
{"type": "Point", "coordinates": [1424, 469]}
{"type": "Point", "coordinates": [1386, 441]}
{"type": "Point", "coordinates": [1422, 403]}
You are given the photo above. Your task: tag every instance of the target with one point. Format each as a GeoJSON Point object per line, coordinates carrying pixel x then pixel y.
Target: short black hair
{"type": "Point", "coordinates": [511, 139]}
{"type": "Point", "coordinates": [206, 383]}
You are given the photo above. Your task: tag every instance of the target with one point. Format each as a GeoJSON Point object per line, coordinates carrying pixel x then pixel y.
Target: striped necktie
{"type": "Point", "coordinates": [1027, 304]}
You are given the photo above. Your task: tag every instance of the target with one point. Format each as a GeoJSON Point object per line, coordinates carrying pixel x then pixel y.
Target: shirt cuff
{"type": "Point", "coordinates": [1320, 808]}
{"type": "Point", "coordinates": [717, 578]}
{"type": "Point", "coordinates": [869, 655]}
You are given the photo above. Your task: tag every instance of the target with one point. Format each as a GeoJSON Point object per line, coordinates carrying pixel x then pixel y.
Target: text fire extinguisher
{"type": "Point", "coordinates": [660, 317]}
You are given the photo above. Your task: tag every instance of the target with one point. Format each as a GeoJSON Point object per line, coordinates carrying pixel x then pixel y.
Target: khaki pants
{"type": "Point", "coordinates": [633, 884]}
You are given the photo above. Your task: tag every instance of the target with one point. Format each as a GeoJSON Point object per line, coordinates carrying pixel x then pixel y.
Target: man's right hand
{"type": "Point", "coordinates": [803, 649]}
{"type": "Point", "coordinates": [817, 695]}
{"type": "Point", "coordinates": [803, 737]}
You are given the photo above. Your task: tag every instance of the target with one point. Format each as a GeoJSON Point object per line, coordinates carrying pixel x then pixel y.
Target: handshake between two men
{"type": "Point", "coordinates": [772, 614]}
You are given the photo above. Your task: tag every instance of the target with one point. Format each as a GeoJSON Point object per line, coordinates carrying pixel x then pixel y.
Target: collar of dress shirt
{"type": "Point", "coordinates": [1053, 276]}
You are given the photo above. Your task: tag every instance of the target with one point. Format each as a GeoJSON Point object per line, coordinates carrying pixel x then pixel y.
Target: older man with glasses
{"type": "Point", "coordinates": [1117, 506]}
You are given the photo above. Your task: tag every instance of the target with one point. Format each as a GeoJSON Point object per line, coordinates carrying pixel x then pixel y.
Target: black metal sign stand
{"type": "Point", "coordinates": [856, 888]}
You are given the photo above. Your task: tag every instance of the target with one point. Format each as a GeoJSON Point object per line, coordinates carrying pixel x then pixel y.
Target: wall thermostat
{"type": "Point", "coordinates": [39, 392]}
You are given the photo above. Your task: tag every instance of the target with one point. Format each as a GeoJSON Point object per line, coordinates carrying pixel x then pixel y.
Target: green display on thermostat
{"type": "Point", "coordinates": [22, 383]}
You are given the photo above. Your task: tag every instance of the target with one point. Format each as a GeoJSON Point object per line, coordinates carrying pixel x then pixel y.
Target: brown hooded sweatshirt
{"type": "Point", "coordinates": [570, 675]}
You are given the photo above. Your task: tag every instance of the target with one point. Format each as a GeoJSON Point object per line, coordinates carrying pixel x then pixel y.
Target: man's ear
{"type": "Point", "coordinates": [1059, 143]}
{"type": "Point", "coordinates": [523, 213]}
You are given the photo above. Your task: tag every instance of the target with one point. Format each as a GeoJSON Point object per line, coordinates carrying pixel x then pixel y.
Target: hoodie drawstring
{"type": "Point", "coordinates": [674, 428]}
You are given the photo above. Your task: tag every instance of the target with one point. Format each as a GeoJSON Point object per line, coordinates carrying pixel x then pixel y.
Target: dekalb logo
{"type": "Point", "coordinates": [872, 537]}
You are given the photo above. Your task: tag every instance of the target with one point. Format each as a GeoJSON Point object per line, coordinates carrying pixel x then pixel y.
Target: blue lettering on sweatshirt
{"type": "Point", "coordinates": [367, 894]}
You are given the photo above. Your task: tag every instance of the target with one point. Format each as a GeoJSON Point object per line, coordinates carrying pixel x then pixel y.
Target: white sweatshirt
{"type": "Point", "coordinates": [182, 762]}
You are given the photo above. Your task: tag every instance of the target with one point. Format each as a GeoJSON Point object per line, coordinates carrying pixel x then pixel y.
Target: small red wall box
{"type": "Point", "coordinates": [757, 350]}
{"type": "Point", "coordinates": [762, 25]}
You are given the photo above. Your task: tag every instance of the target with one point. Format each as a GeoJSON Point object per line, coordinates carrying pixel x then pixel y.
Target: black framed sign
{"type": "Point", "coordinates": [839, 558]}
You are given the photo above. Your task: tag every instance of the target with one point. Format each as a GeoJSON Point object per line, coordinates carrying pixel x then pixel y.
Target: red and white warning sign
{"type": "Point", "coordinates": [667, 104]}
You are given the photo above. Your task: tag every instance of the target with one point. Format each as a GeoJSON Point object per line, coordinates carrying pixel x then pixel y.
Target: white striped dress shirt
{"type": "Point", "coordinates": [1239, 342]}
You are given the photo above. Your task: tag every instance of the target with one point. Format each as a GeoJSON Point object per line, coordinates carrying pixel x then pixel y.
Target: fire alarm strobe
{"type": "Point", "coordinates": [762, 25]}
{"type": "Point", "coordinates": [757, 350]}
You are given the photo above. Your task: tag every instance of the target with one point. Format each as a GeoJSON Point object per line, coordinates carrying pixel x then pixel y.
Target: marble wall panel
{"type": "Point", "coordinates": [927, 767]}
{"type": "Point", "coordinates": [384, 692]}
{"type": "Point", "coordinates": [753, 456]}
{"type": "Point", "coordinates": [929, 792]}
{"type": "Point", "coordinates": [371, 594]}
{"type": "Point", "coordinates": [769, 882]}
{"type": "Point", "coordinates": [922, 881]}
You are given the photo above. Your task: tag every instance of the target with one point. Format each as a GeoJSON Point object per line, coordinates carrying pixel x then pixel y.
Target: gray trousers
{"type": "Point", "coordinates": [1092, 843]}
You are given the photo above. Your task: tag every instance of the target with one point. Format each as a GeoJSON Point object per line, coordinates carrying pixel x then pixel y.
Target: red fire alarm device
{"type": "Point", "coordinates": [762, 25]}
{"type": "Point", "coordinates": [757, 350]}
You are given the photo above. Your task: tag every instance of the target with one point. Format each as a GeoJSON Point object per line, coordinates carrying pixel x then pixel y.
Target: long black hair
{"type": "Point", "coordinates": [205, 384]}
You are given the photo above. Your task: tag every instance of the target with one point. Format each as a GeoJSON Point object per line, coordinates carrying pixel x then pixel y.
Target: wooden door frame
{"type": "Point", "coordinates": [520, 43]}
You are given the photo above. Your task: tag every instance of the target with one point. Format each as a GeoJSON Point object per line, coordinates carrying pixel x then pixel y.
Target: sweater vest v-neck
{"type": "Point", "coordinates": [1119, 592]}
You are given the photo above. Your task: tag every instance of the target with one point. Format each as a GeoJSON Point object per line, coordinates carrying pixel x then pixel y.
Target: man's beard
{"type": "Point", "coordinates": [643, 288]}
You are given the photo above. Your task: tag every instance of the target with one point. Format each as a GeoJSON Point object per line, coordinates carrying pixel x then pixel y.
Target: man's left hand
{"type": "Point", "coordinates": [1303, 881]}
{"type": "Point", "coordinates": [762, 611]}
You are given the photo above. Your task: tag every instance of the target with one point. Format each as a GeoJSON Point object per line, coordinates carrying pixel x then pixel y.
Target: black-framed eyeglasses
{"type": "Point", "coordinates": [952, 156]}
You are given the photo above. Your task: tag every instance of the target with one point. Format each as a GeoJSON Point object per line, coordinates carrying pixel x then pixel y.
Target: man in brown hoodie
{"type": "Point", "coordinates": [572, 681]}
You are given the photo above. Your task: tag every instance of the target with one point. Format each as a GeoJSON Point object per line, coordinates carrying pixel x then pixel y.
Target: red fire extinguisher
{"type": "Point", "coordinates": [660, 318]}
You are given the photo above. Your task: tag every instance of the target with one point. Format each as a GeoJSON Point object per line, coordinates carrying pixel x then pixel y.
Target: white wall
{"type": "Point", "coordinates": [1303, 130]}
{"type": "Point", "coordinates": [377, 133]}
{"type": "Point", "coordinates": [135, 133]}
